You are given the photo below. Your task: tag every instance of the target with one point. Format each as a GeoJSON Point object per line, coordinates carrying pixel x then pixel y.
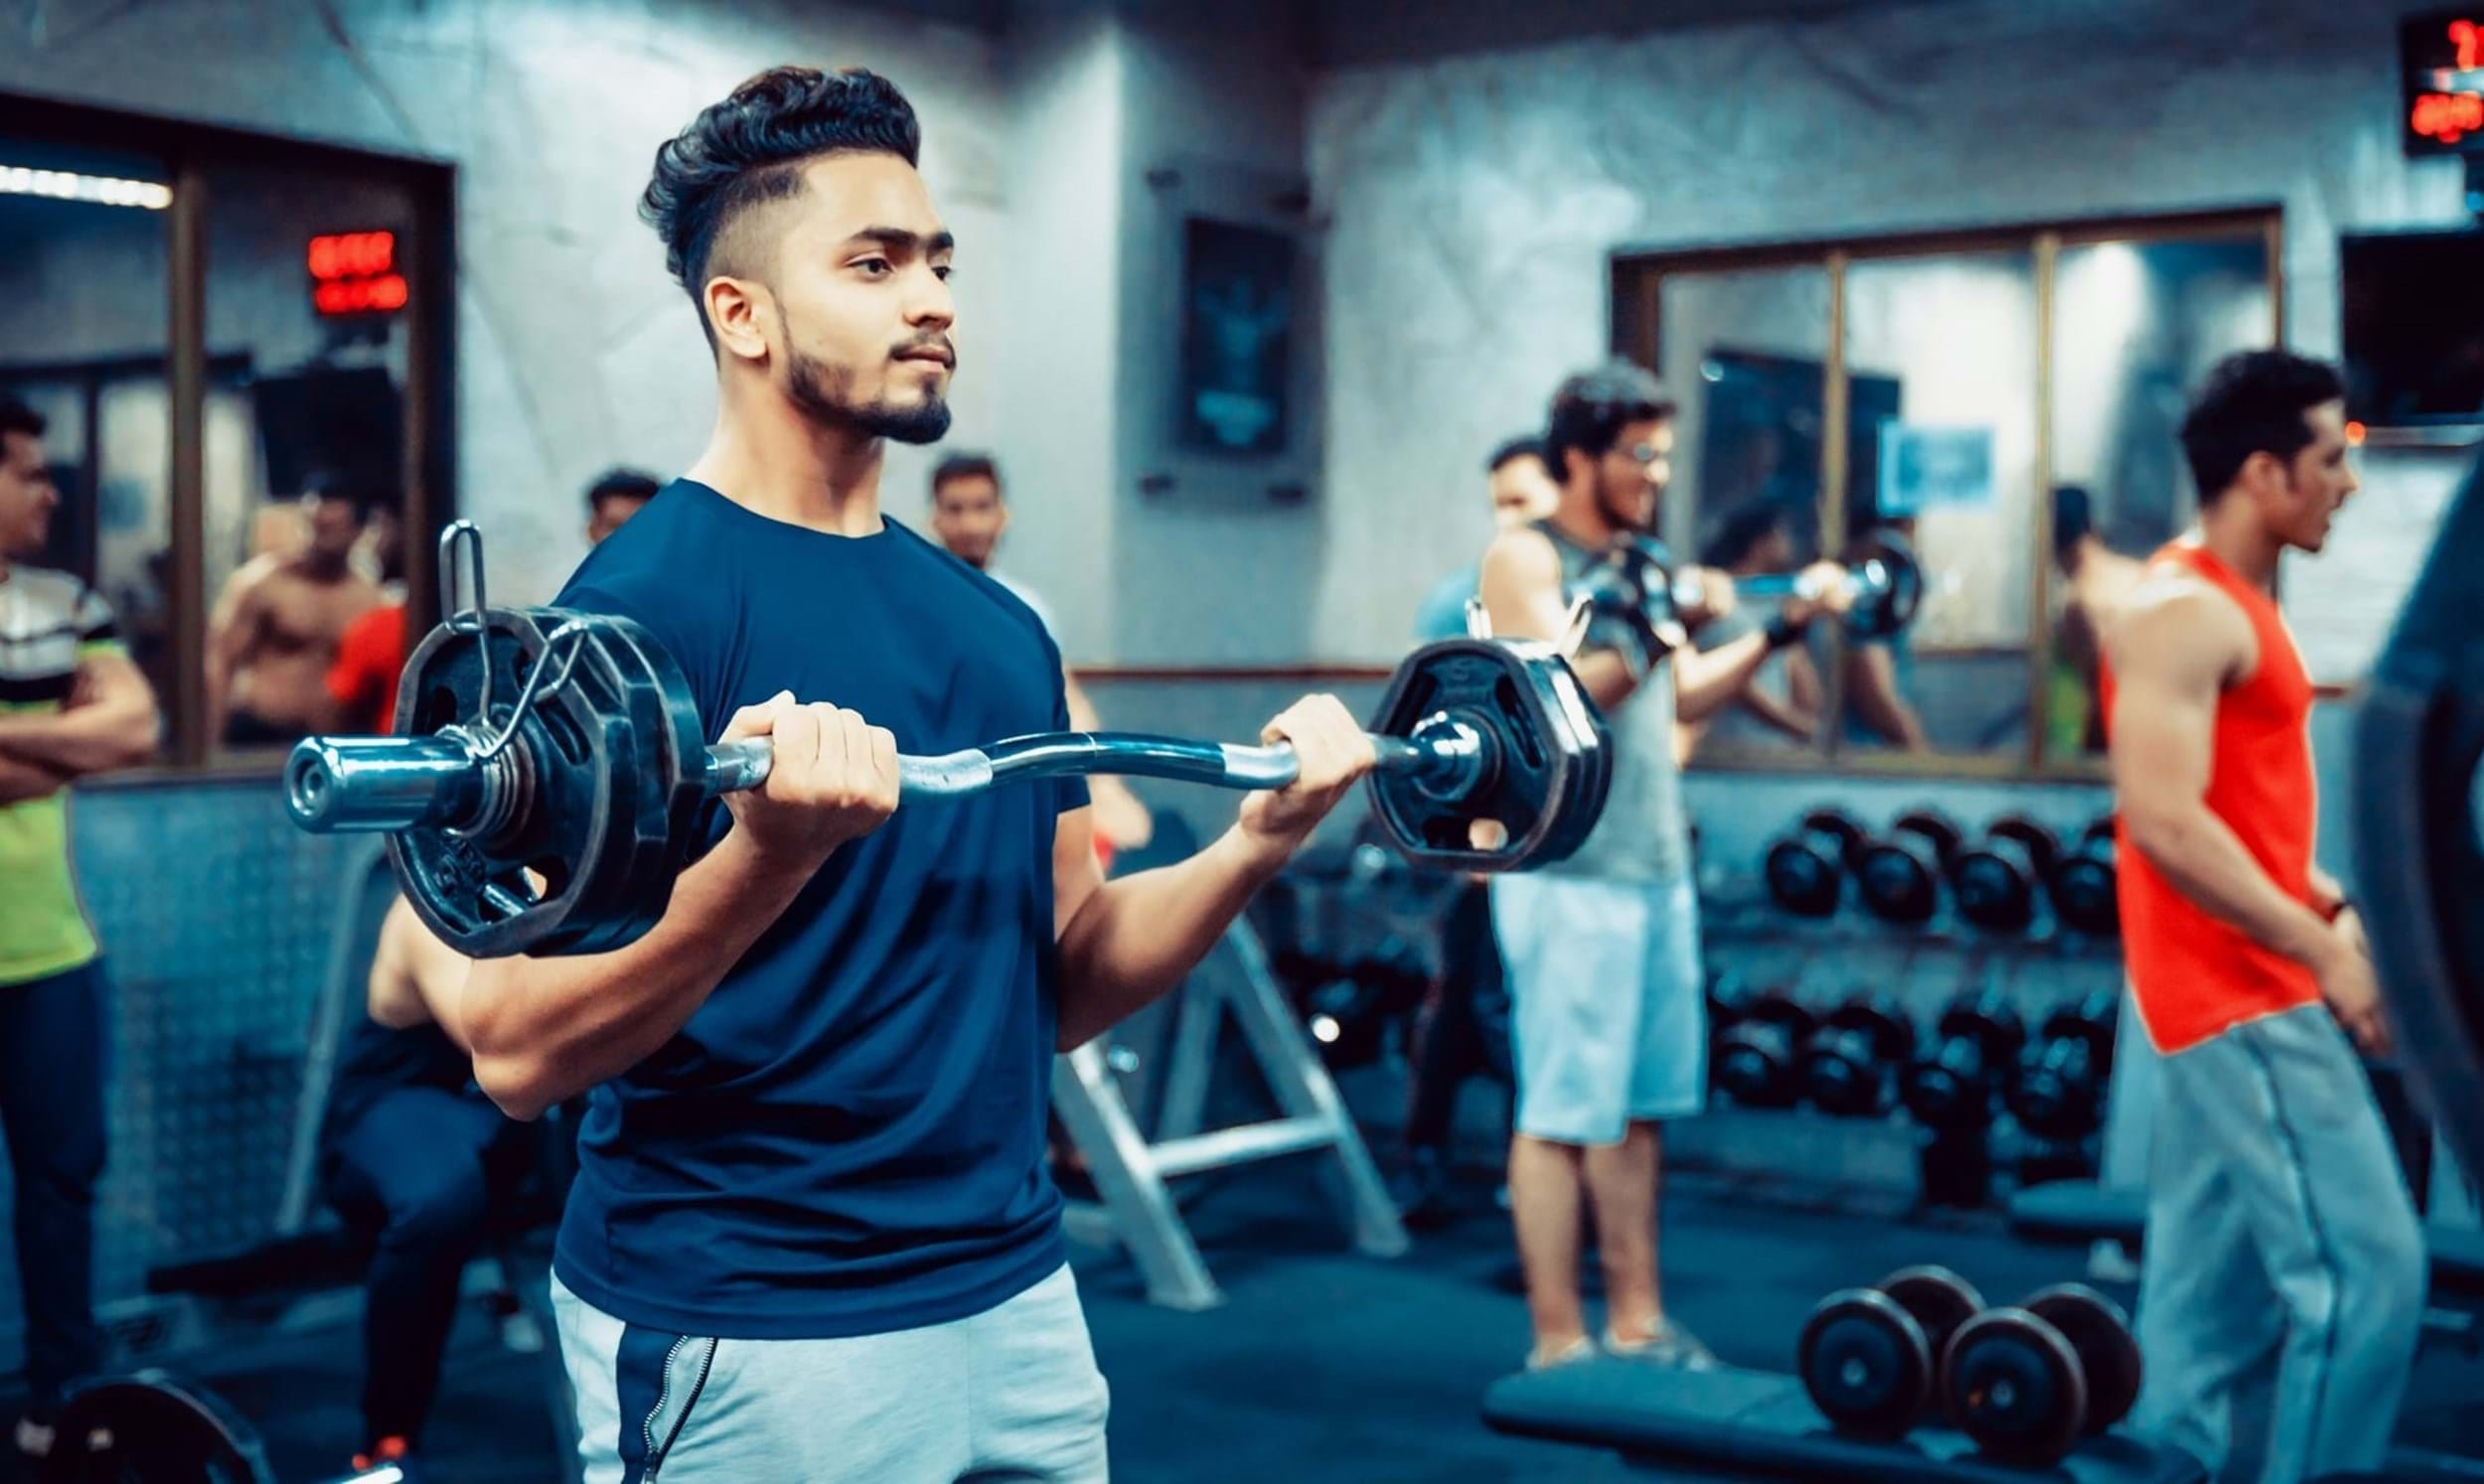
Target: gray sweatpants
{"type": "Point", "coordinates": [2279, 1220]}
{"type": "Point", "coordinates": [1011, 1394]}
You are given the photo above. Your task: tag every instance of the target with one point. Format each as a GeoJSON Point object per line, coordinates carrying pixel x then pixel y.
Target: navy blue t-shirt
{"type": "Point", "coordinates": [848, 1135]}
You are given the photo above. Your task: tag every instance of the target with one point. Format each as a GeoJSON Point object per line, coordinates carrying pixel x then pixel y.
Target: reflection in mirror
{"type": "Point", "coordinates": [1940, 353]}
{"type": "Point", "coordinates": [82, 335]}
{"type": "Point", "coordinates": [306, 307]}
{"type": "Point", "coordinates": [1744, 354]}
{"type": "Point", "coordinates": [2137, 326]}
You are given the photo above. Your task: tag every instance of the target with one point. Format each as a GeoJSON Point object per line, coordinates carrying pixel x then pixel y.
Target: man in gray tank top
{"type": "Point", "coordinates": [1608, 1018]}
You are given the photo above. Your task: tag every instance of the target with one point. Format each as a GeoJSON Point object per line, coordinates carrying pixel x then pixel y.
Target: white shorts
{"type": "Point", "coordinates": [1609, 1014]}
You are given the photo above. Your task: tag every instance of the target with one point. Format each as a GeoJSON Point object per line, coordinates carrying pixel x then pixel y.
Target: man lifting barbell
{"type": "Point", "coordinates": [819, 1059]}
{"type": "Point", "coordinates": [1606, 986]}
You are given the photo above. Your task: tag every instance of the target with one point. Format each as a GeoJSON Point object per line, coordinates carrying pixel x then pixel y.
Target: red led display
{"type": "Point", "coordinates": [2442, 55]}
{"type": "Point", "coordinates": [355, 274]}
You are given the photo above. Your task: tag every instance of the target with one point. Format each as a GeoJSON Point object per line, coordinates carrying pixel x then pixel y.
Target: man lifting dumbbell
{"type": "Point", "coordinates": [818, 1082]}
{"type": "Point", "coordinates": [1603, 952]}
{"type": "Point", "coordinates": [2279, 1220]}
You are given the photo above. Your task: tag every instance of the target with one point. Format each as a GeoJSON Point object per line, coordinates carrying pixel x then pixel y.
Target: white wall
{"type": "Point", "coordinates": [575, 351]}
{"type": "Point", "coordinates": [1474, 200]}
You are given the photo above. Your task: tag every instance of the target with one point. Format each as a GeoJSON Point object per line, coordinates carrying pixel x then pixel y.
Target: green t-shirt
{"type": "Point", "coordinates": [49, 623]}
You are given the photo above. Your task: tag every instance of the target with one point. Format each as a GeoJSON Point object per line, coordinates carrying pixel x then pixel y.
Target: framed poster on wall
{"type": "Point", "coordinates": [1237, 316]}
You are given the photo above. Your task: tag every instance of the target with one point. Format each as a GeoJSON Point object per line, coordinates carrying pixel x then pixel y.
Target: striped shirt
{"type": "Point", "coordinates": [50, 623]}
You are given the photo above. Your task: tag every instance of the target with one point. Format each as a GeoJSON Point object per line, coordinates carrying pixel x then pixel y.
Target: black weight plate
{"type": "Point", "coordinates": [1995, 886]}
{"type": "Point", "coordinates": [151, 1428]}
{"type": "Point", "coordinates": [1936, 828]}
{"type": "Point", "coordinates": [593, 826]}
{"type": "Point", "coordinates": [1892, 1035]}
{"type": "Point", "coordinates": [1938, 1299]}
{"type": "Point", "coordinates": [1550, 765]}
{"type": "Point", "coordinates": [2108, 1354]}
{"type": "Point", "coordinates": [2011, 1382]}
{"type": "Point", "coordinates": [2042, 847]}
{"type": "Point", "coordinates": [560, 831]}
{"type": "Point", "coordinates": [1844, 829]}
{"type": "Point", "coordinates": [2084, 892]}
{"type": "Point", "coordinates": [1899, 879]}
{"type": "Point", "coordinates": [1802, 872]}
{"type": "Point", "coordinates": [1866, 1363]}
{"type": "Point", "coordinates": [1840, 1076]}
{"type": "Point", "coordinates": [1882, 612]}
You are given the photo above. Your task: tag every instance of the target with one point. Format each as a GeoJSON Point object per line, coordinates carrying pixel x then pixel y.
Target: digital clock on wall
{"type": "Point", "coordinates": [2441, 56]}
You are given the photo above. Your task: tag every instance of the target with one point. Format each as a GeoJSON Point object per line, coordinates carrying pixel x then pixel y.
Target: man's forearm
{"type": "Point", "coordinates": [545, 1029]}
{"type": "Point", "coordinates": [1706, 682]}
{"type": "Point", "coordinates": [2208, 863]}
{"type": "Point", "coordinates": [1137, 937]}
{"type": "Point", "coordinates": [1787, 717]}
{"type": "Point", "coordinates": [1607, 677]}
{"type": "Point", "coordinates": [84, 739]}
{"type": "Point", "coordinates": [20, 780]}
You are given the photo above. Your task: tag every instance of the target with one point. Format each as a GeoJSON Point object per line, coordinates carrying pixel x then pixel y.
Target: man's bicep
{"type": "Point", "coordinates": [2163, 729]}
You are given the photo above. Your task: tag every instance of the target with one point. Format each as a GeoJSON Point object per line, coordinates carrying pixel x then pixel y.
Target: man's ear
{"type": "Point", "coordinates": [741, 312]}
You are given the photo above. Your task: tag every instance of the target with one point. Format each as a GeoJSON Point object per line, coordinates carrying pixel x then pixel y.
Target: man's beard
{"type": "Point", "coordinates": [1621, 511]}
{"type": "Point", "coordinates": [820, 390]}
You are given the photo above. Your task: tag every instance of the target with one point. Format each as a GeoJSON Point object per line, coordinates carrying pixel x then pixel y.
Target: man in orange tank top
{"type": "Point", "coordinates": [2278, 1221]}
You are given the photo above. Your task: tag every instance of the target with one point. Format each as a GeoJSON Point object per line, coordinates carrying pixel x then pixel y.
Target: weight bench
{"type": "Point", "coordinates": [1741, 1423]}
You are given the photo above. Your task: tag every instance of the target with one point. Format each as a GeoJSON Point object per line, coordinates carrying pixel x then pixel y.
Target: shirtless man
{"type": "Point", "coordinates": [270, 648]}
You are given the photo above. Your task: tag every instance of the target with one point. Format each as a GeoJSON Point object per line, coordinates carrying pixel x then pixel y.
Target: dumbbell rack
{"type": "Point", "coordinates": [1135, 1208]}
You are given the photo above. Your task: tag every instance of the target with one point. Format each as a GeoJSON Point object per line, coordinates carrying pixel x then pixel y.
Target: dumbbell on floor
{"type": "Point", "coordinates": [1900, 872]}
{"type": "Point", "coordinates": [1870, 1357]}
{"type": "Point", "coordinates": [1755, 1059]}
{"type": "Point", "coordinates": [1998, 878]}
{"type": "Point", "coordinates": [2082, 884]}
{"type": "Point", "coordinates": [2028, 1381]}
{"type": "Point", "coordinates": [2059, 1092]}
{"type": "Point", "coordinates": [1807, 869]}
{"type": "Point", "coordinates": [1850, 1063]}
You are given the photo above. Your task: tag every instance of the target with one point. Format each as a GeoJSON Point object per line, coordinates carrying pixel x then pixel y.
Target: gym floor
{"type": "Point", "coordinates": [1323, 1364]}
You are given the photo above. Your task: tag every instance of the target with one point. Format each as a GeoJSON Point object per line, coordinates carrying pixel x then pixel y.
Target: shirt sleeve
{"type": "Point", "coordinates": [1071, 791]}
{"type": "Point", "coordinates": [98, 632]}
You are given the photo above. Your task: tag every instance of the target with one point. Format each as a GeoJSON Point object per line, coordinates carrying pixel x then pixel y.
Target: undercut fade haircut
{"type": "Point", "coordinates": [17, 417]}
{"type": "Point", "coordinates": [2253, 402]}
{"type": "Point", "coordinates": [747, 152]}
{"type": "Point", "coordinates": [957, 466]}
{"type": "Point", "coordinates": [1590, 408]}
{"type": "Point", "coordinates": [1525, 446]}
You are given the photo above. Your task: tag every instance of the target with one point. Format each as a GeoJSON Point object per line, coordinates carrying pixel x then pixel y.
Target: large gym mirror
{"type": "Point", "coordinates": [1940, 364]}
{"type": "Point", "coordinates": [2136, 324]}
{"type": "Point", "coordinates": [1744, 352]}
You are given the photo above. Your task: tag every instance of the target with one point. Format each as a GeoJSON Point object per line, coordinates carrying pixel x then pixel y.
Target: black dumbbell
{"type": "Point", "coordinates": [2027, 1382]}
{"type": "Point", "coordinates": [2081, 883]}
{"type": "Point", "coordinates": [1850, 1063]}
{"type": "Point", "coordinates": [1952, 1085]}
{"type": "Point", "coordinates": [2059, 1092]}
{"type": "Point", "coordinates": [1804, 869]}
{"type": "Point", "coordinates": [1870, 1357]}
{"type": "Point", "coordinates": [1900, 872]}
{"type": "Point", "coordinates": [1996, 878]}
{"type": "Point", "coordinates": [1756, 1058]}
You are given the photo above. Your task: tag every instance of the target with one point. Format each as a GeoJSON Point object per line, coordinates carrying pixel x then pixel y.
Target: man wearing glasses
{"type": "Point", "coordinates": [1609, 1013]}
